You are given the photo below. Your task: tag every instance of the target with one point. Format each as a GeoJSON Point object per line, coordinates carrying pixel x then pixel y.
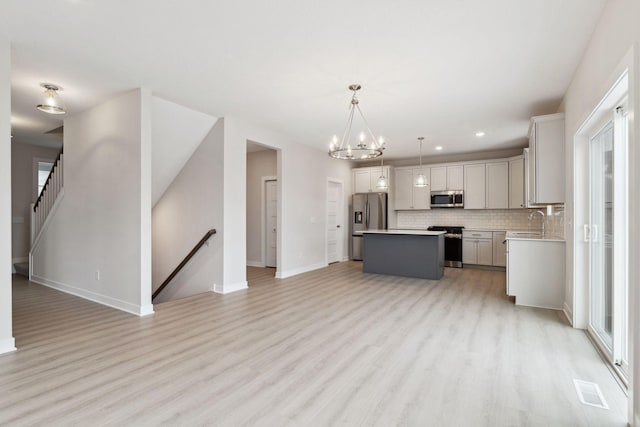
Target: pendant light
{"type": "Point", "coordinates": [367, 146]}
{"type": "Point", "coordinates": [421, 179]}
{"type": "Point", "coordinates": [383, 183]}
{"type": "Point", "coordinates": [51, 101]}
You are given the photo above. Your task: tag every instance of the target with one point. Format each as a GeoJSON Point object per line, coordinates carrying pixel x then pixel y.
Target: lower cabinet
{"type": "Point", "coordinates": [484, 248]}
{"type": "Point", "coordinates": [535, 272]}
{"type": "Point", "coordinates": [499, 249]}
{"type": "Point", "coordinates": [477, 247]}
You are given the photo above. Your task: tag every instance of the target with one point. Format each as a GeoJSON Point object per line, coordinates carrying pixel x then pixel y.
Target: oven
{"type": "Point", "coordinates": [447, 199]}
{"type": "Point", "coordinates": [452, 245]}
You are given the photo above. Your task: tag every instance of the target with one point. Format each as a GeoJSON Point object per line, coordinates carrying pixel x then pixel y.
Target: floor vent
{"type": "Point", "coordinates": [590, 394]}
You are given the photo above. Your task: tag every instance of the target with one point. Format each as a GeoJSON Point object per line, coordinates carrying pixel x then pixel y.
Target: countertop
{"type": "Point", "coordinates": [518, 235]}
{"type": "Point", "coordinates": [407, 232]}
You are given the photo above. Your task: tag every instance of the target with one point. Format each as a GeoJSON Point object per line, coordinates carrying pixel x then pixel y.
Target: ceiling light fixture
{"type": "Point", "coordinates": [480, 134]}
{"type": "Point", "coordinates": [421, 179]}
{"type": "Point", "coordinates": [51, 101]}
{"type": "Point", "coordinates": [438, 147]}
{"type": "Point", "coordinates": [382, 183]}
{"type": "Point", "coordinates": [367, 147]}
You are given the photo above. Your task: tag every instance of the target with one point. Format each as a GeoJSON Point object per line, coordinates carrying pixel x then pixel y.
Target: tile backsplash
{"type": "Point", "coordinates": [490, 219]}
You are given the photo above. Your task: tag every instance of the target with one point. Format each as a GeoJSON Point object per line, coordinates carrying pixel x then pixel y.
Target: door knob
{"type": "Point", "coordinates": [337, 226]}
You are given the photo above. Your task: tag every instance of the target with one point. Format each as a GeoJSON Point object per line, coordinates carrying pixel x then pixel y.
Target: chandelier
{"type": "Point", "coordinates": [367, 146]}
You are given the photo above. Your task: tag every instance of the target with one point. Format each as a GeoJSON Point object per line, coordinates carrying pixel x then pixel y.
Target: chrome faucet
{"type": "Point", "coordinates": [532, 214]}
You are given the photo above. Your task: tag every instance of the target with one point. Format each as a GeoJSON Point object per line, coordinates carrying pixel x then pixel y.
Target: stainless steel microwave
{"type": "Point", "coordinates": [447, 199]}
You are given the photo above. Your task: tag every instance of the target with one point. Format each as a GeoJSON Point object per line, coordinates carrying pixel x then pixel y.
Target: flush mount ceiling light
{"type": "Point", "coordinates": [421, 179]}
{"type": "Point", "coordinates": [438, 147]}
{"type": "Point", "coordinates": [51, 101]}
{"type": "Point", "coordinates": [367, 146]}
{"type": "Point", "coordinates": [480, 134]}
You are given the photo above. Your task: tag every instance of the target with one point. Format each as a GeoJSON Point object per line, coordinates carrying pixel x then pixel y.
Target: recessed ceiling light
{"type": "Point", "coordinates": [438, 147]}
{"type": "Point", "coordinates": [480, 134]}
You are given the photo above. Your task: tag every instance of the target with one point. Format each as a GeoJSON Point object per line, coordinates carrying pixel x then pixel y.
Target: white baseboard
{"type": "Point", "coordinates": [95, 297]}
{"type": "Point", "coordinates": [227, 289]}
{"type": "Point", "coordinates": [344, 259]}
{"type": "Point", "coordinates": [568, 313]}
{"type": "Point", "coordinates": [255, 264]}
{"type": "Point", "coordinates": [300, 270]}
{"type": "Point", "coordinates": [7, 345]}
{"type": "Point", "coordinates": [17, 261]}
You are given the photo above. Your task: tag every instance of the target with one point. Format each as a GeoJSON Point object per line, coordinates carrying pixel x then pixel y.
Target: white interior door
{"type": "Point", "coordinates": [334, 223]}
{"type": "Point", "coordinates": [271, 221]}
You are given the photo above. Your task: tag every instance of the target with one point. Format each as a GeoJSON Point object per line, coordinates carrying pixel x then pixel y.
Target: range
{"type": "Point", "coordinates": [452, 244]}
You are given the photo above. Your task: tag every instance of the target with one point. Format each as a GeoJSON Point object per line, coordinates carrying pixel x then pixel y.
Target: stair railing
{"type": "Point", "coordinates": [184, 262]}
{"type": "Point", "coordinates": [48, 195]}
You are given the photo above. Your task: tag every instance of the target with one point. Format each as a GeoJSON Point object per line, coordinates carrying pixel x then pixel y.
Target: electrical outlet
{"type": "Point", "coordinates": [98, 275]}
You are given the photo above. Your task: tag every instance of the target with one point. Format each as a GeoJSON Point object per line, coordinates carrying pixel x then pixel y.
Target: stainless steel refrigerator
{"type": "Point", "coordinates": [368, 212]}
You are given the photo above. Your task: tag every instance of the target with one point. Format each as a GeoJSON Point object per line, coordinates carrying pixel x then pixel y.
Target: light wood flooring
{"type": "Point", "coordinates": [330, 347]}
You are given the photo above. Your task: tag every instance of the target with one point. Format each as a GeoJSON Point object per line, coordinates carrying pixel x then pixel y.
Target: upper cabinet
{"type": "Point", "coordinates": [516, 183]}
{"type": "Point", "coordinates": [545, 180]}
{"type": "Point", "coordinates": [445, 178]}
{"type": "Point", "coordinates": [366, 179]}
{"type": "Point", "coordinates": [474, 186]}
{"type": "Point", "coordinates": [407, 195]}
{"type": "Point", "coordinates": [497, 185]}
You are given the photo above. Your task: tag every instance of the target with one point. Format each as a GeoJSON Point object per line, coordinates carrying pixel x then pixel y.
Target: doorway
{"type": "Point", "coordinates": [605, 233]}
{"type": "Point", "coordinates": [335, 220]}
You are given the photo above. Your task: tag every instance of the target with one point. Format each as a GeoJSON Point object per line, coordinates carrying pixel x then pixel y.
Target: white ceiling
{"type": "Point", "coordinates": [441, 69]}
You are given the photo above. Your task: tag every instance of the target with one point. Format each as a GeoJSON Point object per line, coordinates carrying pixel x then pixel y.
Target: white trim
{"type": "Point", "coordinates": [345, 259]}
{"type": "Point", "coordinates": [300, 270]}
{"type": "Point", "coordinates": [138, 310]}
{"type": "Point", "coordinates": [255, 264]}
{"type": "Point", "coordinates": [232, 287]}
{"type": "Point", "coordinates": [7, 345]}
{"type": "Point", "coordinates": [567, 312]}
{"type": "Point", "coordinates": [17, 261]}
{"type": "Point", "coordinates": [54, 208]}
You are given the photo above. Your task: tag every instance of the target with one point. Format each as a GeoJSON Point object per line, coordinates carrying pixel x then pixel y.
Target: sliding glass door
{"type": "Point", "coordinates": [607, 236]}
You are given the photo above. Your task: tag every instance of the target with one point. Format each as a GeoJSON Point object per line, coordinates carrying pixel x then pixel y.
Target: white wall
{"type": "Point", "coordinates": [303, 173]}
{"type": "Point", "coordinates": [259, 164]}
{"type": "Point", "coordinates": [177, 131]}
{"type": "Point", "coordinates": [103, 223]}
{"type": "Point", "coordinates": [191, 206]}
{"type": "Point", "coordinates": [617, 33]}
{"type": "Point", "coordinates": [7, 343]}
{"type": "Point", "coordinates": [24, 192]}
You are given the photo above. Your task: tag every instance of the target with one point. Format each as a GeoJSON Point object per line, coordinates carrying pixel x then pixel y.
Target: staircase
{"type": "Point", "coordinates": [53, 188]}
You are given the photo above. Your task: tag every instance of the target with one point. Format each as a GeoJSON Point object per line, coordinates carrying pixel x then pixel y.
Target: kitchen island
{"type": "Point", "coordinates": [411, 253]}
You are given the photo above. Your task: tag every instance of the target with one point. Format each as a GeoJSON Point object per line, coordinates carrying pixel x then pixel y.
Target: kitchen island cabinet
{"type": "Point", "coordinates": [535, 270]}
{"type": "Point", "coordinates": [411, 253]}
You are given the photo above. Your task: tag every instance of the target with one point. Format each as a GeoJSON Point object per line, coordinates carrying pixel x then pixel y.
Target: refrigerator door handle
{"type": "Point", "coordinates": [366, 216]}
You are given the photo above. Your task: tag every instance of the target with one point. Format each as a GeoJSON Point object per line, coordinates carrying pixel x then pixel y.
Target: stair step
{"type": "Point", "coordinates": [22, 268]}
